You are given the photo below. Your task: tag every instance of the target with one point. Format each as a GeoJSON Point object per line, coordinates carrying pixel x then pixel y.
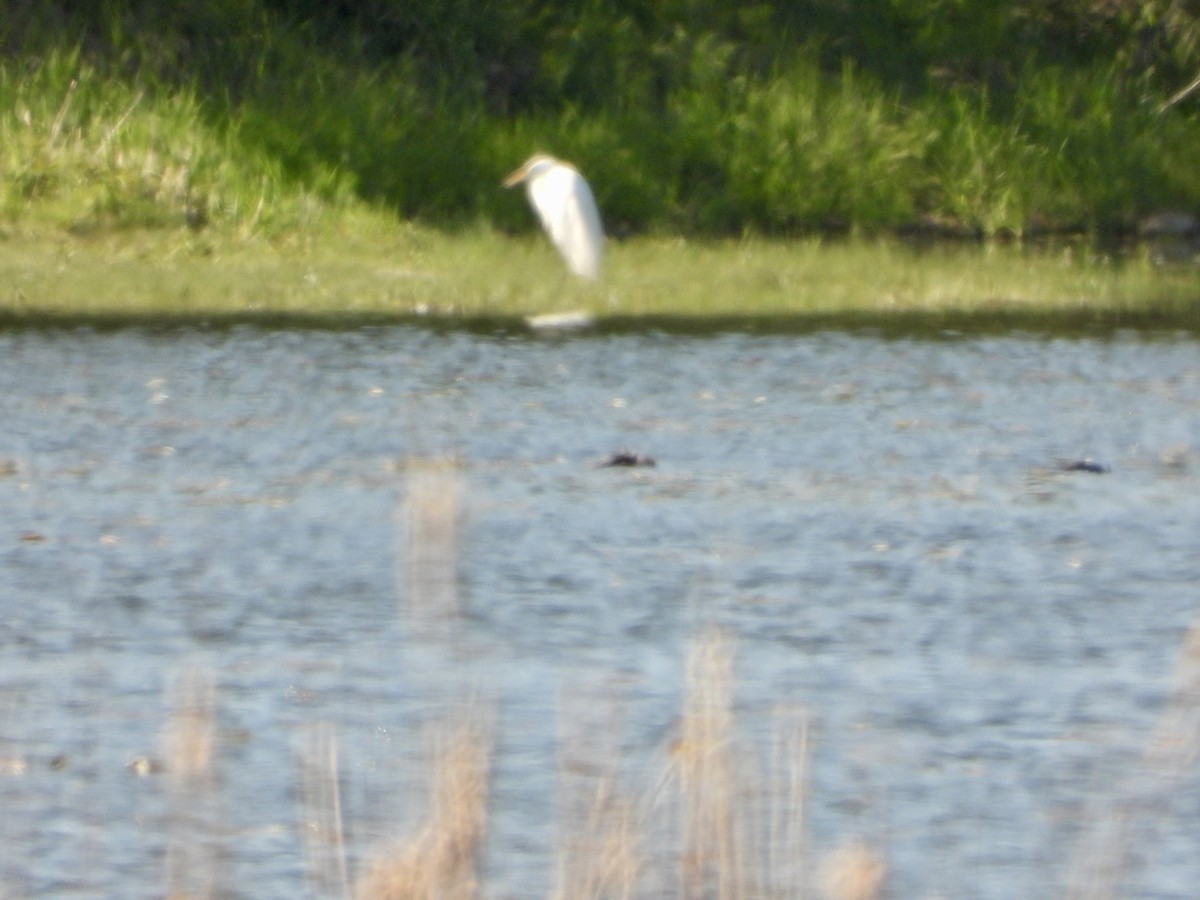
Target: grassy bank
{"type": "Point", "coordinates": [388, 274]}
{"type": "Point", "coordinates": [689, 118]}
{"type": "Point", "coordinates": [279, 161]}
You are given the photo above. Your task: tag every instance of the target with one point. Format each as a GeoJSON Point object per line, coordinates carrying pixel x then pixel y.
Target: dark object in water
{"type": "Point", "coordinates": [1169, 223]}
{"type": "Point", "coordinates": [628, 459]}
{"type": "Point", "coordinates": [1083, 465]}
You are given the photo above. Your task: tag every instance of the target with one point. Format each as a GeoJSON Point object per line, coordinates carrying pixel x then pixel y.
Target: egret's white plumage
{"type": "Point", "coordinates": [564, 202]}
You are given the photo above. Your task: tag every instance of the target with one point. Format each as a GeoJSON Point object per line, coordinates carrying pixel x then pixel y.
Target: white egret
{"type": "Point", "coordinates": [564, 202]}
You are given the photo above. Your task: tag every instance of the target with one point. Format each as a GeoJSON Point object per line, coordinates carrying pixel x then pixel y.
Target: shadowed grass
{"type": "Point", "coordinates": [250, 119]}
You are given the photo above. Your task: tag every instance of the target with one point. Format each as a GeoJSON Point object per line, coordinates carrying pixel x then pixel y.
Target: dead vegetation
{"type": "Point", "coordinates": [711, 818]}
{"type": "Point", "coordinates": [194, 852]}
{"type": "Point", "coordinates": [440, 861]}
{"type": "Point", "coordinates": [716, 821]}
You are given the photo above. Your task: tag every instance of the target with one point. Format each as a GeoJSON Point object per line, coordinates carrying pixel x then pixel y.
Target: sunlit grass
{"type": "Point", "coordinates": [291, 132]}
{"type": "Point", "coordinates": [136, 197]}
{"type": "Point", "coordinates": [368, 268]}
{"type": "Point", "coordinates": [86, 154]}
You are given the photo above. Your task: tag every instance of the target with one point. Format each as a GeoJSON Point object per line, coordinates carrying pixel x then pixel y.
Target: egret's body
{"type": "Point", "coordinates": [564, 202]}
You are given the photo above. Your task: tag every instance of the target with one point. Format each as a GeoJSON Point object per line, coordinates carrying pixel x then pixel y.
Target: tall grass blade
{"type": "Point", "coordinates": [194, 852]}
{"type": "Point", "coordinates": [323, 823]}
{"type": "Point", "coordinates": [1105, 860]}
{"type": "Point", "coordinates": [440, 861]}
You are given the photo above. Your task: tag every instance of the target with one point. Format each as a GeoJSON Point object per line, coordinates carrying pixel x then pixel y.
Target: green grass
{"type": "Point", "coordinates": [302, 188]}
{"type": "Point", "coordinates": [256, 118]}
{"type": "Point", "coordinates": [378, 271]}
{"type": "Point", "coordinates": [88, 154]}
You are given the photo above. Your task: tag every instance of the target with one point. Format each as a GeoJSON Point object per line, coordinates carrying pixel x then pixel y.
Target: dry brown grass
{"type": "Point", "coordinates": [196, 834]}
{"type": "Point", "coordinates": [715, 825]}
{"type": "Point", "coordinates": [1175, 744]}
{"type": "Point", "coordinates": [714, 851]}
{"type": "Point", "coordinates": [853, 872]}
{"type": "Point", "coordinates": [439, 862]}
{"type": "Point", "coordinates": [601, 852]}
{"type": "Point", "coordinates": [718, 822]}
{"type": "Point", "coordinates": [743, 828]}
{"type": "Point", "coordinates": [1111, 841]}
{"type": "Point", "coordinates": [323, 822]}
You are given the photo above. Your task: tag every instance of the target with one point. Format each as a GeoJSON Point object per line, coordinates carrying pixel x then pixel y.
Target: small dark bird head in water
{"type": "Point", "coordinates": [628, 459]}
{"type": "Point", "coordinates": [1083, 465]}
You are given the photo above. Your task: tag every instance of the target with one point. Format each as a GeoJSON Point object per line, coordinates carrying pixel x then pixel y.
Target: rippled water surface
{"type": "Point", "coordinates": [984, 643]}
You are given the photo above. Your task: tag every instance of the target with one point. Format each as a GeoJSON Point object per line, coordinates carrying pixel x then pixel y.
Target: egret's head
{"type": "Point", "coordinates": [534, 166]}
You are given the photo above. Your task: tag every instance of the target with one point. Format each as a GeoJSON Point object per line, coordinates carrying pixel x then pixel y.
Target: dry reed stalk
{"type": "Point", "coordinates": [603, 858]}
{"type": "Point", "coordinates": [713, 853]}
{"type": "Point", "coordinates": [189, 745]}
{"type": "Point", "coordinates": [743, 831]}
{"type": "Point", "coordinates": [601, 852]}
{"type": "Point", "coordinates": [440, 862]}
{"type": "Point", "coordinates": [1171, 752]}
{"type": "Point", "coordinates": [853, 872]}
{"type": "Point", "coordinates": [1175, 744]}
{"type": "Point", "coordinates": [431, 518]}
{"type": "Point", "coordinates": [787, 847]}
{"type": "Point", "coordinates": [323, 816]}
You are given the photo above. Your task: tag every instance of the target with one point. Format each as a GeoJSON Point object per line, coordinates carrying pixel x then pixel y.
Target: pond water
{"type": "Point", "coordinates": [982, 642]}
